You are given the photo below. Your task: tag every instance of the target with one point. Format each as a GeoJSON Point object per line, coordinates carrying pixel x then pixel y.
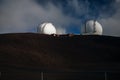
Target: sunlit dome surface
{"type": "Point", "coordinates": [47, 28]}
{"type": "Point", "coordinates": [93, 27]}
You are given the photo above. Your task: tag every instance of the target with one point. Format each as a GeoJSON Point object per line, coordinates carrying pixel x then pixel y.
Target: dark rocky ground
{"type": "Point", "coordinates": [23, 56]}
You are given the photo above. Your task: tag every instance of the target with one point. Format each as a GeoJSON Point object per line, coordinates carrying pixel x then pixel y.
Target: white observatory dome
{"type": "Point", "coordinates": [92, 27]}
{"type": "Point", "coordinates": [47, 28]}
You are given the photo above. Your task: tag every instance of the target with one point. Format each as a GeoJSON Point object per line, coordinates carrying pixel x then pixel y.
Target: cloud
{"type": "Point", "coordinates": [111, 25]}
{"type": "Point", "coordinates": [25, 15]}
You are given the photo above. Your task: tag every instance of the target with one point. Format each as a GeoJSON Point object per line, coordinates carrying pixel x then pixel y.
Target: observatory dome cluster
{"type": "Point", "coordinates": [92, 27]}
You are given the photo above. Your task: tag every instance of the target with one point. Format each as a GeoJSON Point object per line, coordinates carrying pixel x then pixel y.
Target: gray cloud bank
{"type": "Point", "coordinates": [25, 15]}
{"type": "Point", "coordinates": [111, 25]}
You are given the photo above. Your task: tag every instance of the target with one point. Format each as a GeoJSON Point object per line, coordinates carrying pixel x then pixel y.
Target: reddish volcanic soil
{"type": "Point", "coordinates": [38, 52]}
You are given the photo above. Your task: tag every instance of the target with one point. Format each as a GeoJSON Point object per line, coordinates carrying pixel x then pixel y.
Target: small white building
{"type": "Point", "coordinates": [92, 27]}
{"type": "Point", "coordinates": [46, 28]}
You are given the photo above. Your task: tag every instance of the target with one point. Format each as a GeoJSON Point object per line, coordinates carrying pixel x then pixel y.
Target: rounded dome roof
{"type": "Point", "coordinates": [93, 27]}
{"type": "Point", "coordinates": [47, 28]}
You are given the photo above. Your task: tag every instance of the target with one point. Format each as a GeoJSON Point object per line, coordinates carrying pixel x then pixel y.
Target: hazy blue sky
{"type": "Point", "coordinates": [68, 16]}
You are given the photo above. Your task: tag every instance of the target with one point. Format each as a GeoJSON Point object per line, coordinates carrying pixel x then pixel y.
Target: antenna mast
{"type": "Point", "coordinates": [85, 26]}
{"type": "Point", "coordinates": [86, 16]}
{"type": "Point", "coordinates": [94, 24]}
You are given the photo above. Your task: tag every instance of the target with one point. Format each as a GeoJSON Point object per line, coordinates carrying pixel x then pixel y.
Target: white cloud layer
{"type": "Point", "coordinates": [25, 15]}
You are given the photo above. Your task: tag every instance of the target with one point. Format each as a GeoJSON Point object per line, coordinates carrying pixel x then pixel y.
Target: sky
{"type": "Point", "coordinates": [68, 16]}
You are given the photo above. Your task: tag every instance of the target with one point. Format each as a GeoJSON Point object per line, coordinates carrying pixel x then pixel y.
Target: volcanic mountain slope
{"type": "Point", "coordinates": [32, 51]}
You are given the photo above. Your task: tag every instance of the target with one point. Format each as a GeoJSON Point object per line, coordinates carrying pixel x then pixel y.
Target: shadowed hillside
{"type": "Point", "coordinates": [63, 52]}
{"type": "Point", "coordinates": [39, 52]}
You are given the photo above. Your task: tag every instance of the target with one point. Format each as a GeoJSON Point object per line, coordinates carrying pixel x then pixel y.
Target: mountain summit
{"type": "Point", "coordinates": [63, 52]}
{"type": "Point", "coordinates": [24, 55]}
